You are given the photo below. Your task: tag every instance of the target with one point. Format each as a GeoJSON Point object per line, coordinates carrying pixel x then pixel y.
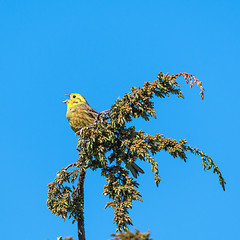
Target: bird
{"type": "Point", "coordinates": [80, 114]}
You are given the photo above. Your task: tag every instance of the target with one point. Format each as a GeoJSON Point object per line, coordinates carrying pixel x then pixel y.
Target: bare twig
{"type": "Point", "coordinates": [104, 112]}
{"type": "Point", "coordinates": [81, 228]}
{"type": "Point", "coordinates": [70, 165]}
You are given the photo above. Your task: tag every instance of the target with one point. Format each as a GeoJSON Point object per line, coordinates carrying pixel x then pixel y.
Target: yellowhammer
{"type": "Point", "coordinates": [80, 114]}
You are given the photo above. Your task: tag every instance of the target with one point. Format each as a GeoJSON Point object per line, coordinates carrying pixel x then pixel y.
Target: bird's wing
{"type": "Point", "coordinates": [90, 111]}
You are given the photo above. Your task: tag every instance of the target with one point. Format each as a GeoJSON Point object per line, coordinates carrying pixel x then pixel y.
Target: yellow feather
{"type": "Point", "coordinates": [79, 113]}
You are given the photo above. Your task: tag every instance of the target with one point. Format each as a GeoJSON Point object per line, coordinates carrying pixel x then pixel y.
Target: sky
{"type": "Point", "coordinates": [101, 49]}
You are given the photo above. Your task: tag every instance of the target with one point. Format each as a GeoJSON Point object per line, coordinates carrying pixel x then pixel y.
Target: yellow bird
{"type": "Point", "coordinates": [80, 114]}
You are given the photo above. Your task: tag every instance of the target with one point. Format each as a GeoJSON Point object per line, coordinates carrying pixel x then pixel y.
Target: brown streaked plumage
{"type": "Point", "coordinates": [79, 113]}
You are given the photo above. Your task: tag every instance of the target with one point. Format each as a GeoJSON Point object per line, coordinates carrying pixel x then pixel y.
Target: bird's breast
{"type": "Point", "coordinates": [70, 113]}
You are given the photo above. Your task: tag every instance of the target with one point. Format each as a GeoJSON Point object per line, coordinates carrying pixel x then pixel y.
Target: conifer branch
{"type": "Point", "coordinates": [112, 147]}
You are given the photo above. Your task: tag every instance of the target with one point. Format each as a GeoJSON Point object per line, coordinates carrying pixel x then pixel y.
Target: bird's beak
{"type": "Point", "coordinates": [67, 99]}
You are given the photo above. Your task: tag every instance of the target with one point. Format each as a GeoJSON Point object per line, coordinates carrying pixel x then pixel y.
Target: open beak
{"type": "Point", "coordinates": [67, 99]}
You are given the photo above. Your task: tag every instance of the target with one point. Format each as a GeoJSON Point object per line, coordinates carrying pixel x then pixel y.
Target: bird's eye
{"type": "Point", "coordinates": [74, 96]}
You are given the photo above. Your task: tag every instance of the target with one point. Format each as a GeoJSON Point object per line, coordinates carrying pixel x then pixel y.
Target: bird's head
{"type": "Point", "coordinates": [74, 100]}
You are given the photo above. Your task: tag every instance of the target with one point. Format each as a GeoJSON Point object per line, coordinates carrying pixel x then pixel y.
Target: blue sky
{"type": "Point", "coordinates": [101, 49]}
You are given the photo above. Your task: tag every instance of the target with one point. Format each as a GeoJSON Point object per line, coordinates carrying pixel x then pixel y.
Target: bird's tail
{"type": "Point", "coordinates": [135, 169]}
